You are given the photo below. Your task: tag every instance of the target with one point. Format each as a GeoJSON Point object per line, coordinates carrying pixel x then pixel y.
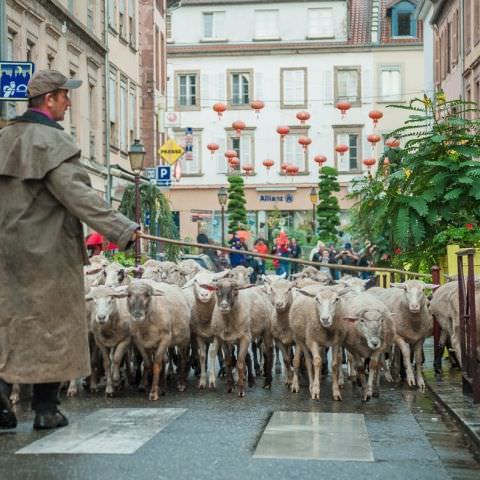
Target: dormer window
{"type": "Point", "coordinates": [404, 22]}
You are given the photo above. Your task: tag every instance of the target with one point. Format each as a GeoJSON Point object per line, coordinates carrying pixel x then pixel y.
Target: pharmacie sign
{"type": "Point", "coordinates": [276, 197]}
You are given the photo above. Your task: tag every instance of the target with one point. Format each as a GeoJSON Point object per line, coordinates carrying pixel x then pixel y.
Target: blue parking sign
{"type": "Point", "coordinates": [14, 78]}
{"type": "Point", "coordinates": [164, 176]}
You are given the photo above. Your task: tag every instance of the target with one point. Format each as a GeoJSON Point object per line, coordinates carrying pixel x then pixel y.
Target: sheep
{"type": "Point", "coordinates": [281, 293]}
{"type": "Point", "coordinates": [159, 319]}
{"type": "Point", "coordinates": [190, 268]}
{"type": "Point", "coordinates": [110, 328]}
{"type": "Point", "coordinates": [240, 315]}
{"type": "Point", "coordinates": [314, 320]}
{"type": "Point", "coordinates": [167, 272]}
{"type": "Point", "coordinates": [199, 293]}
{"type": "Point", "coordinates": [370, 332]}
{"type": "Point", "coordinates": [356, 284]}
{"type": "Point", "coordinates": [413, 322]}
{"type": "Point", "coordinates": [115, 275]}
{"type": "Point", "coordinates": [241, 274]}
{"type": "Point", "coordinates": [313, 274]}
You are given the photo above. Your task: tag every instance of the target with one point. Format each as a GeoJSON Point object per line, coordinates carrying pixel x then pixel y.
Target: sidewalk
{"type": "Point", "coordinates": [447, 389]}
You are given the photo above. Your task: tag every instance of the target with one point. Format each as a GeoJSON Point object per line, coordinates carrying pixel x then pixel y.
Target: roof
{"type": "Point", "coordinates": [236, 2]}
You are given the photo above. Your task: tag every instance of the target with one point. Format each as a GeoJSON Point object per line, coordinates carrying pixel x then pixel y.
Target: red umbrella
{"type": "Point", "coordinates": [112, 246]}
{"type": "Point", "coordinates": [95, 239]}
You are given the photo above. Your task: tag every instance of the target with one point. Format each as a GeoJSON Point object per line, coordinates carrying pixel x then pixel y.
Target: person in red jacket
{"type": "Point", "coordinates": [260, 247]}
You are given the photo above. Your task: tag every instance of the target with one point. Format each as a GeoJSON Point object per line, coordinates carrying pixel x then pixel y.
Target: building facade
{"type": "Point", "coordinates": [293, 56]}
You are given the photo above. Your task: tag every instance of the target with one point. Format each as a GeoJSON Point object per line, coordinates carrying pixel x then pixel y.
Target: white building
{"type": "Point", "coordinates": [293, 56]}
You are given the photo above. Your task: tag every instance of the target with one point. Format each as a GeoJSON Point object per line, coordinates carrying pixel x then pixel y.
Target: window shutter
{"type": "Point", "coordinates": [258, 86]}
{"type": "Point", "coordinates": [245, 150]}
{"type": "Point", "coordinates": [220, 87]}
{"type": "Point", "coordinates": [288, 87]}
{"type": "Point", "coordinates": [455, 38]}
{"type": "Point", "coordinates": [343, 162]}
{"type": "Point", "coordinates": [220, 156]}
{"type": "Point", "coordinates": [205, 97]}
{"type": "Point", "coordinates": [366, 83]}
{"type": "Point", "coordinates": [300, 86]}
{"type": "Point", "coordinates": [328, 87]}
{"type": "Point", "coordinates": [219, 24]}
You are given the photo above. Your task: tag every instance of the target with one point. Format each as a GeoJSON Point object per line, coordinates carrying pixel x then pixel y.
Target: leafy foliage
{"type": "Point", "coordinates": [328, 209]}
{"type": "Point", "coordinates": [430, 186]}
{"type": "Point", "coordinates": [153, 201]}
{"type": "Point", "coordinates": [237, 213]}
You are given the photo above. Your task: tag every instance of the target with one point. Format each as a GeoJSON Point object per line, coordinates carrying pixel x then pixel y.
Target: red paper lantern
{"type": "Point", "coordinates": [284, 167]}
{"type": "Point", "coordinates": [375, 115]}
{"type": "Point", "coordinates": [213, 147]}
{"type": "Point", "coordinates": [247, 168]}
{"type": "Point", "coordinates": [219, 108]}
{"type": "Point", "coordinates": [341, 149]}
{"type": "Point", "coordinates": [230, 154]}
{"type": "Point", "coordinates": [238, 126]}
{"type": "Point", "coordinates": [291, 170]}
{"type": "Point", "coordinates": [234, 162]}
{"type": "Point", "coordinates": [304, 141]}
{"type": "Point", "coordinates": [392, 142]}
{"type": "Point", "coordinates": [374, 139]}
{"type": "Point", "coordinates": [303, 117]}
{"type": "Point", "coordinates": [268, 164]}
{"type": "Point", "coordinates": [369, 162]}
{"type": "Point", "coordinates": [343, 107]}
{"type": "Point", "coordinates": [257, 105]}
{"type": "Point", "coordinates": [282, 131]}
{"type": "Point", "coordinates": [320, 159]}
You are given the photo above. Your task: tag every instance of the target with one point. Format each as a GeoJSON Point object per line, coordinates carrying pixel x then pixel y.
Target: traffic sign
{"type": "Point", "coordinates": [151, 173]}
{"type": "Point", "coordinates": [14, 77]}
{"type": "Point", "coordinates": [171, 151]}
{"type": "Point", "coordinates": [164, 176]}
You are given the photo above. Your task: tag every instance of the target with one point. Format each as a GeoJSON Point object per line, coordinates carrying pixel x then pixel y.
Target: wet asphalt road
{"type": "Point", "coordinates": [216, 437]}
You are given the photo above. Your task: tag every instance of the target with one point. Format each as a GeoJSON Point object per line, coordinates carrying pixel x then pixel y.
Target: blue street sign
{"type": "Point", "coordinates": [147, 219]}
{"type": "Point", "coordinates": [164, 176]}
{"type": "Point", "coordinates": [151, 173]}
{"type": "Point", "coordinates": [14, 77]}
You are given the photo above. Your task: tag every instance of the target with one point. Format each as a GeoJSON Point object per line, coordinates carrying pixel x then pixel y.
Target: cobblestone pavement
{"type": "Point", "coordinates": [217, 434]}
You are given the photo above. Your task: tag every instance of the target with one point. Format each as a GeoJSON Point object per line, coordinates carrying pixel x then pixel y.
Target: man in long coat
{"type": "Point", "coordinates": [45, 194]}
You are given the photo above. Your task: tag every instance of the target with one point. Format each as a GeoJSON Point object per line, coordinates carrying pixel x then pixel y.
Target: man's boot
{"type": "Point", "coordinates": [45, 404]}
{"type": "Point", "coordinates": [7, 416]}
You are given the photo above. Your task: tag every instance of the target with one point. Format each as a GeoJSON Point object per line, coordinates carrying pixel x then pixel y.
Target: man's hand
{"type": "Point", "coordinates": [136, 234]}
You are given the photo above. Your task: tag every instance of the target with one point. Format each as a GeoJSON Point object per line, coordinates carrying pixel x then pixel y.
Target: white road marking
{"type": "Point", "coordinates": [107, 431]}
{"type": "Point", "coordinates": [316, 436]}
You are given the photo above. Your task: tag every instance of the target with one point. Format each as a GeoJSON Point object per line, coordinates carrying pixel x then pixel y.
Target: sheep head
{"type": "Point", "coordinates": [414, 293]}
{"type": "Point", "coordinates": [370, 324]}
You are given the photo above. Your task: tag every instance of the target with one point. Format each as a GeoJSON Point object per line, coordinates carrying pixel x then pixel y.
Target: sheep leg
{"type": "Point", "coordinates": [72, 390]}
{"type": "Point", "coordinates": [267, 361]}
{"type": "Point", "coordinates": [297, 359]}
{"type": "Point", "coordinates": [405, 349]}
{"type": "Point", "coordinates": [242, 352]}
{"type": "Point", "coordinates": [147, 367]}
{"type": "Point", "coordinates": [108, 370]}
{"type": "Point", "coordinates": [278, 365]}
{"type": "Point", "coordinates": [15, 394]}
{"type": "Point", "coordinates": [317, 367]}
{"type": "Point", "coordinates": [418, 349]}
{"type": "Point", "coordinates": [287, 361]}
{"type": "Point", "coordinates": [340, 362]}
{"type": "Point", "coordinates": [256, 364]}
{"type": "Point", "coordinates": [202, 356]}
{"type": "Point", "coordinates": [372, 371]}
{"type": "Point", "coordinates": [336, 367]}
{"type": "Point", "coordinates": [212, 353]}
{"type": "Point", "coordinates": [250, 375]}
{"type": "Point", "coordinates": [118, 355]}
{"type": "Point", "coordinates": [229, 360]}
{"type": "Point", "coordinates": [158, 364]}
{"type": "Point", "coordinates": [183, 368]}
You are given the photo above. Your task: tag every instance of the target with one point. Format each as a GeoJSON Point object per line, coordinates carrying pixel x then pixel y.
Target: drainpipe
{"type": "Point", "coordinates": [3, 49]}
{"type": "Point", "coordinates": [108, 183]}
{"type": "Point", "coordinates": [462, 49]}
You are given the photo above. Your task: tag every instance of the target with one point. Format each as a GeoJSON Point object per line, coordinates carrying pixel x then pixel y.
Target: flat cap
{"type": "Point", "coordinates": [45, 81]}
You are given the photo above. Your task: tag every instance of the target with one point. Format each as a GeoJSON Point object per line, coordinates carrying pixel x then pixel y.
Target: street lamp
{"type": "Point", "coordinates": [314, 200]}
{"type": "Point", "coordinates": [136, 155]}
{"type": "Point", "coordinates": [222, 196]}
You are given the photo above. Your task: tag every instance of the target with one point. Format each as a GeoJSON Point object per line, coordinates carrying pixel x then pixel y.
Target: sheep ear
{"type": "Point", "coordinates": [206, 286]}
{"type": "Point", "coordinates": [344, 291]}
{"type": "Point", "coordinates": [431, 286]}
{"type": "Point", "coordinates": [93, 271]}
{"type": "Point", "coordinates": [120, 292]}
{"type": "Point", "coordinates": [157, 292]}
{"type": "Point", "coordinates": [307, 294]}
{"type": "Point", "coordinates": [283, 275]}
{"type": "Point", "coordinates": [244, 287]}
{"type": "Point", "coordinates": [398, 285]}
{"type": "Point", "coordinates": [249, 270]}
{"type": "Point", "coordinates": [351, 318]}
{"type": "Point", "coordinates": [89, 296]}
{"type": "Point", "coordinates": [189, 283]}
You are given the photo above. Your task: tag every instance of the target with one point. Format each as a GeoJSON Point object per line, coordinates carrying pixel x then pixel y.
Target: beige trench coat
{"type": "Point", "coordinates": [44, 194]}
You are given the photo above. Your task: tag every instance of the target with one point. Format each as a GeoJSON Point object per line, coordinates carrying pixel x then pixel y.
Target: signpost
{"type": "Point", "coordinates": [14, 77]}
{"type": "Point", "coordinates": [171, 151]}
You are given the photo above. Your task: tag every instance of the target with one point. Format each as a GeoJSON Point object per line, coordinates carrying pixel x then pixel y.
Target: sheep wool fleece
{"type": "Point", "coordinates": [45, 193]}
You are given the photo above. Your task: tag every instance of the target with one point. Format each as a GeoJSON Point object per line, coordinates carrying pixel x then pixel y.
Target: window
{"type": "Point", "coordinates": [347, 84]}
{"type": "Point", "coordinates": [30, 51]}
{"type": "Point", "coordinates": [92, 119]}
{"type": "Point", "coordinates": [73, 94]}
{"type": "Point", "coordinates": [468, 26]}
{"type": "Point", "coordinates": [71, 5]}
{"type": "Point", "coordinates": [123, 114]}
{"type": "Point", "coordinates": [187, 90]}
{"type": "Point", "coordinates": [320, 23]}
{"type": "Point", "coordinates": [214, 25]}
{"type": "Point", "coordinates": [390, 83]}
{"type": "Point", "coordinates": [112, 99]}
{"type": "Point", "coordinates": [291, 151]}
{"type": "Point", "coordinates": [404, 23]}
{"type": "Point", "coordinates": [240, 88]}
{"type": "Point", "coordinates": [132, 112]}
{"type": "Point", "coordinates": [476, 21]}
{"type": "Point", "coordinates": [266, 24]}
{"type": "Point", "coordinates": [131, 23]}
{"type": "Point", "coordinates": [112, 14]}
{"type": "Point", "coordinates": [243, 145]}
{"type": "Point", "coordinates": [193, 166]}
{"type": "Point", "coordinates": [294, 87]}
{"type": "Point", "coordinates": [122, 19]}
{"type": "Point", "coordinates": [91, 15]}
{"type": "Point", "coordinates": [350, 161]}
{"type": "Point", "coordinates": [157, 58]}
{"type": "Point", "coordinates": [168, 26]}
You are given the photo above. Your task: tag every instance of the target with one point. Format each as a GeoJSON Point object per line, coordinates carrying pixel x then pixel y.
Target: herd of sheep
{"type": "Point", "coordinates": [180, 316]}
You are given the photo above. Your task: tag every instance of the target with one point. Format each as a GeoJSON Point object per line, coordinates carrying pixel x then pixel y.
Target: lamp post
{"type": "Point", "coordinates": [222, 196]}
{"type": "Point", "coordinates": [314, 200]}
{"type": "Point", "coordinates": [136, 155]}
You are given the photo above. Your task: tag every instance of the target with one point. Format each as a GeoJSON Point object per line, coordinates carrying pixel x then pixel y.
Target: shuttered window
{"type": "Point", "coordinates": [123, 114]}
{"type": "Point", "coordinates": [320, 23]}
{"type": "Point", "coordinates": [266, 24]}
{"type": "Point", "coordinates": [240, 88]}
{"type": "Point", "coordinates": [214, 25]}
{"type": "Point", "coordinates": [390, 83]}
{"type": "Point", "coordinates": [187, 90]}
{"type": "Point", "coordinates": [293, 87]}
{"type": "Point", "coordinates": [193, 166]}
{"type": "Point", "coordinates": [347, 84]}
{"type": "Point", "coordinates": [350, 161]}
